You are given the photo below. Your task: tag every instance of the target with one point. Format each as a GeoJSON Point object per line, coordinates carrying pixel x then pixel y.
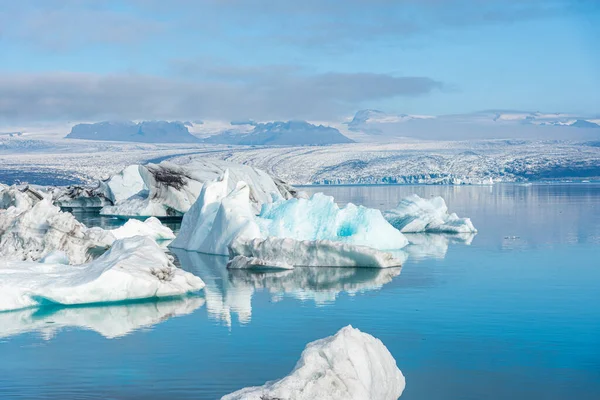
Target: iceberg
{"type": "Point", "coordinates": [133, 269]}
{"type": "Point", "coordinates": [112, 321]}
{"type": "Point", "coordinates": [350, 365]}
{"type": "Point", "coordinates": [32, 229]}
{"type": "Point", "coordinates": [415, 214]}
{"type": "Point", "coordinates": [151, 227]}
{"type": "Point", "coordinates": [298, 232]}
{"type": "Point", "coordinates": [168, 189]}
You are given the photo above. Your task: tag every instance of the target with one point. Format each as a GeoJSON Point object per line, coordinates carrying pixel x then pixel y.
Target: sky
{"type": "Point", "coordinates": [90, 60]}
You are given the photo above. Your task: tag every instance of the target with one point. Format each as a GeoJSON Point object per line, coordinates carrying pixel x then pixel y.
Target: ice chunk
{"type": "Point", "coordinates": [415, 214]}
{"type": "Point", "coordinates": [320, 218]}
{"type": "Point", "coordinates": [109, 321]}
{"type": "Point", "coordinates": [151, 227]}
{"type": "Point", "coordinates": [55, 257]}
{"type": "Point", "coordinates": [313, 253]}
{"type": "Point", "coordinates": [126, 184]}
{"type": "Point", "coordinates": [243, 262]}
{"type": "Point", "coordinates": [134, 268]}
{"type": "Point", "coordinates": [350, 365]}
{"type": "Point", "coordinates": [171, 189]}
{"type": "Point", "coordinates": [30, 231]}
{"type": "Point", "coordinates": [304, 232]}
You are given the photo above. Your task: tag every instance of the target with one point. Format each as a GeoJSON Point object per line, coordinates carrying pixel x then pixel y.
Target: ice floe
{"type": "Point", "coordinates": [415, 214]}
{"type": "Point", "coordinates": [110, 321]}
{"type": "Point", "coordinates": [299, 232]}
{"type": "Point", "coordinates": [151, 227]}
{"type": "Point", "coordinates": [350, 365]}
{"type": "Point", "coordinates": [168, 189]}
{"type": "Point", "coordinates": [134, 268]}
{"type": "Point", "coordinates": [32, 228]}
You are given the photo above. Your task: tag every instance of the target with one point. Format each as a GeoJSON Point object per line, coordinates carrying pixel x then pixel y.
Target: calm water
{"type": "Point", "coordinates": [512, 313]}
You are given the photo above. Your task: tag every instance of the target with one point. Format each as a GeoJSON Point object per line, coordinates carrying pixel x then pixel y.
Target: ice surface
{"type": "Point", "coordinates": [415, 214]}
{"type": "Point", "coordinates": [170, 189]}
{"type": "Point", "coordinates": [125, 184]}
{"type": "Point", "coordinates": [111, 321]}
{"type": "Point", "coordinates": [350, 365]}
{"type": "Point", "coordinates": [304, 232]}
{"type": "Point", "coordinates": [313, 253]}
{"type": "Point", "coordinates": [31, 230]}
{"type": "Point", "coordinates": [151, 228]}
{"type": "Point", "coordinates": [243, 262]}
{"type": "Point", "coordinates": [134, 268]}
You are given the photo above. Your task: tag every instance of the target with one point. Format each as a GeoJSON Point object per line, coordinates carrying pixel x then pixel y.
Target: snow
{"type": "Point", "coordinates": [415, 214]}
{"type": "Point", "coordinates": [55, 257]}
{"type": "Point", "coordinates": [350, 365]}
{"type": "Point", "coordinates": [170, 190]}
{"type": "Point", "coordinates": [151, 227]}
{"type": "Point", "coordinates": [112, 321]}
{"type": "Point", "coordinates": [299, 232]}
{"type": "Point", "coordinates": [133, 269]}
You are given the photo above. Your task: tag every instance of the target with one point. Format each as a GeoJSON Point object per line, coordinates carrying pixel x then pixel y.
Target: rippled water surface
{"type": "Point", "coordinates": [511, 313]}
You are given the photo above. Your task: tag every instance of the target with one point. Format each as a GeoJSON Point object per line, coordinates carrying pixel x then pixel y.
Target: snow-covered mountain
{"type": "Point", "coordinates": [146, 132]}
{"type": "Point", "coordinates": [290, 133]}
{"type": "Point", "coordinates": [490, 124]}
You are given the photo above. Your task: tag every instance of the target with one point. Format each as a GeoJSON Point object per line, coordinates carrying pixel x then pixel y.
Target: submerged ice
{"type": "Point", "coordinates": [350, 365]}
{"type": "Point", "coordinates": [415, 214]}
{"type": "Point", "coordinates": [134, 268]}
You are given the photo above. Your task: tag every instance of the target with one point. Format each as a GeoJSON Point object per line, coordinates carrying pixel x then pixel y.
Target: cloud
{"type": "Point", "coordinates": [78, 96]}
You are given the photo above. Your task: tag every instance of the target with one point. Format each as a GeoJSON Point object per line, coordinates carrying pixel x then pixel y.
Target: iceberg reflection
{"type": "Point", "coordinates": [110, 321]}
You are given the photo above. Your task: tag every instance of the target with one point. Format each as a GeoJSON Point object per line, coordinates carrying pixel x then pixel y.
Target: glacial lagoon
{"type": "Point", "coordinates": [511, 312]}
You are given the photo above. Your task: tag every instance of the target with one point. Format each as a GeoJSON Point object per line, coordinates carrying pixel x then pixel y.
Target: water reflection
{"type": "Point", "coordinates": [110, 321]}
{"type": "Point", "coordinates": [229, 292]}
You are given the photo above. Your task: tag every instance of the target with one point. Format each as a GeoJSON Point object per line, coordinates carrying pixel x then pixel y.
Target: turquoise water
{"type": "Point", "coordinates": [513, 312]}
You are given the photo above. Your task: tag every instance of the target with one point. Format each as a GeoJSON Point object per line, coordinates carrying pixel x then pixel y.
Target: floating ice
{"type": "Point", "coordinates": [300, 232]}
{"type": "Point", "coordinates": [151, 227]}
{"type": "Point", "coordinates": [243, 262]}
{"type": "Point", "coordinates": [134, 268]}
{"type": "Point", "coordinates": [350, 365]}
{"type": "Point", "coordinates": [168, 189]}
{"type": "Point", "coordinates": [415, 214]}
{"type": "Point", "coordinates": [110, 321]}
{"type": "Point", "coordinates": [31, 230]}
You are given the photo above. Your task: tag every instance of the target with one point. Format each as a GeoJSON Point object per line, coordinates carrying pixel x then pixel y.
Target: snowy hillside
{"type": "Point", "coordinates": [281, 133]}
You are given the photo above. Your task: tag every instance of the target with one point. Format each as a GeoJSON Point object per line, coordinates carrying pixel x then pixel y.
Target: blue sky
{"type": "Point", "coordinates": [64, 60]}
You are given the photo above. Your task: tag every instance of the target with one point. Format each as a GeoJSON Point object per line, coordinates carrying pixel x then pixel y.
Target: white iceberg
{"type": "Point", "coordinates": [134, 268]}
{"type": "Point", "coordinates": [30, 231]}
{"type": "Point", "coordinates": [151, 227]}
{"type": "Point", "coordinates": [110, 321]}
{"type": "Point", "coordinates": [299, 232]}
{"type": "Point", "coordinates": [243, 262]}
{"type": "Point", "coordinates": [168, 189]}
{"type": "Point", "coordinates": [415, 214]}
{"type": "Point", "coordinates": [350, 365]}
